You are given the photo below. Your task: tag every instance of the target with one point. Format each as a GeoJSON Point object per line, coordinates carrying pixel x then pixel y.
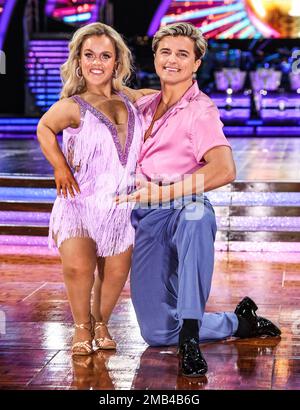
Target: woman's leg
{"type": "Point", "coordinates": [79, 262]}
{"type": "Point", "coordinates": [112, 275]}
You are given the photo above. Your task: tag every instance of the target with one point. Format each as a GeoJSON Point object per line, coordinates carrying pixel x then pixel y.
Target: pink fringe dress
{"type": "Point", "coordinates": [103, 170]}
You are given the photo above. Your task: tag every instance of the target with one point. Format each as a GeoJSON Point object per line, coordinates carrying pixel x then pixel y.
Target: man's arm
{"type": "Point", "coordinates": [218, 171]}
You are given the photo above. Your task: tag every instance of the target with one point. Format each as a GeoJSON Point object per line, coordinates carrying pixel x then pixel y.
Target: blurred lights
{"type": "Point", "coordinates": [216, 18]}
{"type": "Point", "coordinates": [259, 8]}
{"type": "Point", "coordinates": [77, 17]}
{"type": "Point", "coordinates": [74, 11]}
{"type": "Point", "coordinates": [295, 12]}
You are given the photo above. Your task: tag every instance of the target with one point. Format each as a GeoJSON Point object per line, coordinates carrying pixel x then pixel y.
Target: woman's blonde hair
{"type": "Point", "coordinates": [72, 84]}
{"type": "Point", "coordinates": [182, 29]}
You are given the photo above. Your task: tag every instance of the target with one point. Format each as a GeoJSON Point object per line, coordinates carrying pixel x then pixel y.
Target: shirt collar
{"type": "Point", "coordinates": [187, 97]}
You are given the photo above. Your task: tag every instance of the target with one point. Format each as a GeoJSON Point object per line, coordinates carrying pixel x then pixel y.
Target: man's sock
{"type": "Point", "coordinates": [244, 328]}
{"type": "Point", "coordinates": [189, 330]}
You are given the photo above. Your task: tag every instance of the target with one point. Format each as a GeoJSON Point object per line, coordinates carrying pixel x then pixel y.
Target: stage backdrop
{"type": "Point", "coordinates": [228, 19]}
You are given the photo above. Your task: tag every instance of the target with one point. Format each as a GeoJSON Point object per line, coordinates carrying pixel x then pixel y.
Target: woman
{"type": "Point", "coordinates": [101, 142]}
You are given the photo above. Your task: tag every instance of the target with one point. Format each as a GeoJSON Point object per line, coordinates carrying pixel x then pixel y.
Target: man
{"type": "Point", "coordinates": [184, 151]}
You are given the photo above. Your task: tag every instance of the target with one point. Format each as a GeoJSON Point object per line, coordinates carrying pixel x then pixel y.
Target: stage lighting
{"type": "Point", "coordinates": [282, 16]}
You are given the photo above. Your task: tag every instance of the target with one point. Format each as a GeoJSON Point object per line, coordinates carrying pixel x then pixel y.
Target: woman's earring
{"type": "Point", "coordinates": [115, 72]}
{"type": "Point", "coordinates": [78, 73]}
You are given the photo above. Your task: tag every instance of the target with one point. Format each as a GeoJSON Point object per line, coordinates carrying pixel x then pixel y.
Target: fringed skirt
{"type": "Point", "coordinates": [107, 224]}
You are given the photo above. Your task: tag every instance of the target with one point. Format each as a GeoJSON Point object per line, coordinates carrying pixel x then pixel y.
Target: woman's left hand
{"type": "Point", "coordinates": [147, 192]}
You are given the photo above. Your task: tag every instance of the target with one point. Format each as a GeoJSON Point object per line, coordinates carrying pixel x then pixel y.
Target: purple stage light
{"type": "Point", "coordinates": [5, 16]}
{"type": "Point", "coordinates": [278, 131]}
{"type": "Point", "coordinates": [43, 64]}
{"type": "Point", "coordinates": [14, 121]}
{"type": "Point", "coordinates": [161, 11]}
{"type": "Point", "coordinates": [235, 113]}
{"type": "Point", "coordinates": [15, 217]}
{"type": "Point", "coordinates": [55, 54]}
{"type": "Point", "coordinates": [38, 245]}
{"type": "Point", "coordinates": [238, 131]}
{"type": "Point", "coordinates": [253, 224]}
{"type": "Point", "coordinates": [45, 195]}
{"type": "Point", "coordinates": [289, 101]}
{"type": "Point", "coordinates": [17, 128]}
{"type": "Point", "coordinates": [2, 3]}
{"type": "Point", "coordinates": [277, 114]}
{"type": "Point", "coordinates": [226, 198]}
{"type": "Point", "coordinates": [79, 12]}
{"type": "Point", "coordinates": [243, 101]}
{"type": "Point", "coordinates": [235, 223]}
{"type": "Point", "coordinates": [47, 42]}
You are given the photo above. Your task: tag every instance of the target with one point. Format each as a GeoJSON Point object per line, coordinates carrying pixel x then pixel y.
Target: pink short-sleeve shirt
{"type": "Point", "coordinates": [181, 137]}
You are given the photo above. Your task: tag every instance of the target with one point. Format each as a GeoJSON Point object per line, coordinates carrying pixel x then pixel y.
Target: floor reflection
{"type": "Point", "coordinates": [91, 372]}
{"type": "Point", "coordinates": [248, 356]}
{"type": "Point", "coordinates": [232, 364]}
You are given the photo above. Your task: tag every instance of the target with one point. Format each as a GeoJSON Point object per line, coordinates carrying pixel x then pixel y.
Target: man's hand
{"type": "Point", "coordinates": [65, 182]}
{"type": "Point", "coordinates": [147, 192]}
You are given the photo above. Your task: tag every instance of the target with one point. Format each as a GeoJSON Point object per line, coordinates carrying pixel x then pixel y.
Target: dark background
{"type": "Point", "coordinates": [131, 18]}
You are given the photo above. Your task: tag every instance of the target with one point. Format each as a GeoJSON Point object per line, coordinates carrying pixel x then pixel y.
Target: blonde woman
{"type": "Point", "coordinates": [102, 138]}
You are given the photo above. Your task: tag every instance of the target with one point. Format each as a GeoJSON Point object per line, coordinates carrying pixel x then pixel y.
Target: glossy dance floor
{"type": "Point", "coordinates": [36, 331]}
{"type": "Point", "coordinates": [256, 158]}
{"type": "Point", "coordinates": [36, 325]}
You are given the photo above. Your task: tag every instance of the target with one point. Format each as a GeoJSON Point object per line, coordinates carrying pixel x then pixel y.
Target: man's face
{"type": "Point", "coordinates": [175, 59]}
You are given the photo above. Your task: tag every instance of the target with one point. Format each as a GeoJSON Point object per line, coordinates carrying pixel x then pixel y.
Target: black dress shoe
{"type": "Point", "coordinates": [259, 326]}
{"type": "Point", "coordinates": [192, 363]}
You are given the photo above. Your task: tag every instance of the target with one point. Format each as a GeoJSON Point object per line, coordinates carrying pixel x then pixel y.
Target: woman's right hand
{"type": "Point", "coordinates": [65, 182]}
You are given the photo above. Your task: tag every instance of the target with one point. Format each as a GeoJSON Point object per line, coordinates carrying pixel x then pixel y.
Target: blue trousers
{"type": "Point", "coordinates": [171, 273]}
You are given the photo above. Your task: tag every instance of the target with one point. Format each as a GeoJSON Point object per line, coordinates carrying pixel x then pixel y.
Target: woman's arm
{"type": "Point", "coordinates": [65, 113]}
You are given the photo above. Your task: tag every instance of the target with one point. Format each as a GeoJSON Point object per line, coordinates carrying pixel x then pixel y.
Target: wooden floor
{"type": "Point", "coordinates": [261, 159]}
{"type": "Point", "coordinates": [36, 324]}
{"type": "Point", "coordinates": [36, 331]}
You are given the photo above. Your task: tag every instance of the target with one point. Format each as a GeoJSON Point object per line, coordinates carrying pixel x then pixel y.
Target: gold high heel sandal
{"type": "Point", "coordinates": [104, 343]}
{"type": "Point", "coordinates": [84, 348]}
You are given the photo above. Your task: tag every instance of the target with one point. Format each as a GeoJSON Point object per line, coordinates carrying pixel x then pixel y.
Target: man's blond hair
{"type": "Point", "coordinates": [182, 29]}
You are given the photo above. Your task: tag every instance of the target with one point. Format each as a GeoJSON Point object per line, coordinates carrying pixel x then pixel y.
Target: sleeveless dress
{"type": "Point", "coordinates": [102, 169]}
